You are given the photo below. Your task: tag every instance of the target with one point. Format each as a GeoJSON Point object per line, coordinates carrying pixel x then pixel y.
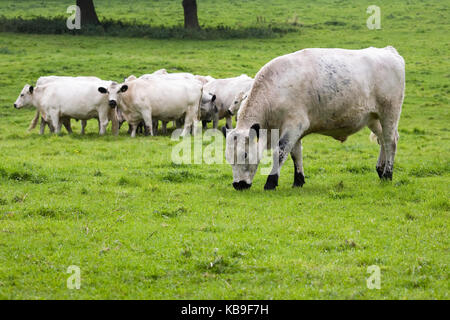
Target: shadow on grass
{"type": "Point", "coordinates": [57, 25]}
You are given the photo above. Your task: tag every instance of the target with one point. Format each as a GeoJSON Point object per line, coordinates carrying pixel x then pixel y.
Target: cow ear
{"type": "Point", "coordinates": [255, 127]}
{"type": "Point", "coordinates": [124, 88]}
{"type": "Point", "coordinates": [102, 90]}
{"type": "Point", "coordinates": [213, 98]}
{"type": "Point", "coordinates": [31, 89]}
{"type": "Point", "coordinates": [224, 131]}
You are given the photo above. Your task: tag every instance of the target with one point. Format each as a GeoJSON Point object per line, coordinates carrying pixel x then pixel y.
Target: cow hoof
{"type": "Point", "coordinates": [272, 182]}
{"type": "Point", "coordinates": [386, 176]}
{"type": "Point", "coordinates": [380, 171]}
{"type": "Point", "coordinates": [299, 180]}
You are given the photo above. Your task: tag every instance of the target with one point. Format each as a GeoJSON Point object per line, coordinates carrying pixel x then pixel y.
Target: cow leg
{"type": "Point", "coordinates": [147, 116]}
{"type": "Point", "coordinates": [55, 122]}
{"type": "Point", "coordinates": [216, 120]}
{"type": "Point", "coordinates": [155, 124]}
{"type": "Point", "coordinates": [103, 121]}
{"type": "Point", "coordinates": [390, 139]}
{"type": "Point", "coordinates": [229, 122]}
{"type": "Point", "coordinates": [132, 130]}
{"type": "Point", "coordinates": [42, 126]}
{"type": "Point", "coordinates": [280, 153]}
{"type": "Point", "coordinates": [66, 123]}
{"type": "Point", "coordinates": [189, 120]}
{"type": "Point", "coordinates": [204, 125]}
{"type": "Point", "coordinates": [296, 154]}
{"type": "Point", "coordinates": [83, 126]}
{"type": "Point", "coordinates": [375, 126]}
{"type": "Point", "coordinates": [164, 127]}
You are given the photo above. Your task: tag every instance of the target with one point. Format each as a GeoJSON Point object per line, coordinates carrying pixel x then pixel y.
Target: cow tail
{"type": "Point", "coordinates": [35, 121]}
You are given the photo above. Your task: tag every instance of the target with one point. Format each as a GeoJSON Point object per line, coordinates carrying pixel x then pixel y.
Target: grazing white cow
{"type": "Point", "coordinates": [218, 95]}
{"type": "Point", "coordinates": [65, 121]}
{"type": "Point", "coordinates": [160, 99]}
{"type": "Point", "coordinates": [237, 102]}
{"type": "Point", "coordinates": [334, 92]}
{"type": "Point", "coordinates": [69, 99]}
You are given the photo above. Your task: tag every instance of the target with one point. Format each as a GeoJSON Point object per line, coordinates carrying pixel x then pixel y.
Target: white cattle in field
{"type": "Point", "coordinates": [204, 79]}
{"type": "Point", "coordinates": [160, 99]}
{"type": "Point", "coordinates": [65, 121]}
{"type": "Point", "coordinates": [218, 95]}
{"type": "Point", "coordinates": [334, 92]}
{"type": "Point", "coordinates": [69, 99]}
{"type": "Point", "coordinates": [233, 109]}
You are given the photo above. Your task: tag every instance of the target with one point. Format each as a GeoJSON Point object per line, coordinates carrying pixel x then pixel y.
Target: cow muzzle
{"type": "Point", "coordinates": [112, 103]}
{"type": "Point", "coordinates": [241, 185]}
{"type": "Point", "coordinates": [15, 106]}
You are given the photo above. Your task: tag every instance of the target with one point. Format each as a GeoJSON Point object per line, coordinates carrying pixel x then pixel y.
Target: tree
{"type": "Point", "coordinates": [190, 14]}
{"type": "Point", "coordinates": [88, 14]}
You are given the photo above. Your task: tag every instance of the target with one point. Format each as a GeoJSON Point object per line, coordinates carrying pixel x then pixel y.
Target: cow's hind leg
{"type": "Point", "coordinates": [296, 154]}
{"type": "Point", "coordinates": [375, 126]}
{"type": "Point", "coordinates": [389, 125]}
{"type": "Point", "coordinates": [83, 126]}
{"type": "Point", "coordinates": [66, 123]}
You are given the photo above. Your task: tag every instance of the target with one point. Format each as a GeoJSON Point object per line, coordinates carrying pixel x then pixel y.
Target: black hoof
{"type": "Point", "coordinates": [387, 175]}
{"type": "Point", "coordinates": [241, 185]}
{"type": "Point", "coordinates": [380, 171]}
{"type": "Point", "coordinates": [299, 180]}
{"type": "Point", "coordinates": [272, 182]}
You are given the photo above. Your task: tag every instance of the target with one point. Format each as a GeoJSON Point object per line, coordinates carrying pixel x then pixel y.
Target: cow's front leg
{"type": "Point", "coordinates": [216, 120]}
{"type": "Point", "coordinates": [103, 121]}
{"type": "Point", "coordinates": [147, 117]}
{"type": "Point", "coordinates": [164, 127]}
{"type": "Point", "coordinates": [280, 154]}
{"type": "Point", "coordinates": [296, 154]}
{"type": "Point", "coordinates": [83, 126]}
{"type": "Point", "coordinates": [229, 122]}
{"type": "Point", "coordinates": [42, 126]}
{"type": "Point", "coordinates": [54, 117]}
{"type": "Point", "coordinates": [66, 123]}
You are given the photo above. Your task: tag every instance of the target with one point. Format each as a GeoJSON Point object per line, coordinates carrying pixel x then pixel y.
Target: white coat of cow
{"type": "Point", "coordinates": [334, 92]}
{"type": "Point", "coordinates": [69, 99]}
{"type": "Point", "coordinates": [161, 99]}
{"type": "Point", "coordinates": [219, 94]}
{"type": "Point", "coordinates": [66, 121]}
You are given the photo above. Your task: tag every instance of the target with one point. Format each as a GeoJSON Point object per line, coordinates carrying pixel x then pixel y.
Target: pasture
{"type": "Point", "coordinates": [142, 227]}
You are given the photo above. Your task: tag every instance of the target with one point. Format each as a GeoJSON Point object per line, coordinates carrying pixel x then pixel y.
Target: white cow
{"type": "Point", "coordinates": [218, 95]}
{"type": "Point", "coordinates": [334, 92]}
{"type": "Point", "coordinates": [65, 121]}
{"type": "Point", "coordinates": [238, 100]}
{"type": "Point", "coordinates": [69, 99]}
{"type": "Point", "coordinates": [160, 99]}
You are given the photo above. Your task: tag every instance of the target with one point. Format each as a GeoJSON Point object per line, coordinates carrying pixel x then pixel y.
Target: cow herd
{"type": "Point", "coordinates": [334, 92]}
{"type": "Point", "coordinates": [161, 96]}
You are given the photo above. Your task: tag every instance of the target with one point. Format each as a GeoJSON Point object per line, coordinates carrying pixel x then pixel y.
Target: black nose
{"type": "Point", "coordinates": [15, 105]}
{"type": "Point", "coordinates": [112, 103]}
{"type": "Point", "coordinates": [241, 185]}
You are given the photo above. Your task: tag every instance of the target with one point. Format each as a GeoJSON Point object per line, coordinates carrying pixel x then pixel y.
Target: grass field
{"type": "Point", "coordinates": [139, 226]}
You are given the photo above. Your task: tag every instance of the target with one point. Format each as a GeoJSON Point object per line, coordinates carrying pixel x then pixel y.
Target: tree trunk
{"type": "Point", "coordinates": [190, 14]}
{"type": "Point", "coordinates": [88, 14]}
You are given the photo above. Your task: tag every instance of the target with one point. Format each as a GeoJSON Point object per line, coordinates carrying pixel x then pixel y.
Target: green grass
{"type": "Point", "coordinates": [140, 226]}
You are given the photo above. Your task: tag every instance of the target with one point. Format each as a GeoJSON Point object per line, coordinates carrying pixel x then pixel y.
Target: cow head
{"type": "Point", "coordinates": [208, 107]}
{"type": "Point", "coordinates": [237, 102]}
{"type": "Point", "coordinates": [25, 98]}
{"type": "Point", "coordinates": [244, 154]}
{"type": "Point", "coordinates": [114, 92]}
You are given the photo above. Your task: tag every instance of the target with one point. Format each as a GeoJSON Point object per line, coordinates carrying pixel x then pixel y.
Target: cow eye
{"type": "Point", "coordinates": [245, 155]}
{"type": "Point", "coordinates": [21, 95]}
{"type": "Point", "coordinates": [235, 102]}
